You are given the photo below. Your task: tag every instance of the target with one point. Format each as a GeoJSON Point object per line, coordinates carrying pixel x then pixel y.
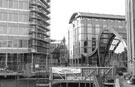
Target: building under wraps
{"type": "Point", "coordinates": [24, 40]}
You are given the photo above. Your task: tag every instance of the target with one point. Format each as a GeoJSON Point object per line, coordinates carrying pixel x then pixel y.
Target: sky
{"type": "Point", "coordinates": [62, 10]}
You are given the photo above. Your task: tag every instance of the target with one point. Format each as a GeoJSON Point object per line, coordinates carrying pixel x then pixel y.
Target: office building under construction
{"type": "Point", "coordinates": [24, 41]}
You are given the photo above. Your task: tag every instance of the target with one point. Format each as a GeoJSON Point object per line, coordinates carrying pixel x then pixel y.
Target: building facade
{"type": "Point", "coordinates": [24, 34]}
{"type": "Point", "coordinates": [84, 33]}
{"type": "Point", "coordinates": [54, 54]}
{"type": "Point", "coordinates": [58, 53]}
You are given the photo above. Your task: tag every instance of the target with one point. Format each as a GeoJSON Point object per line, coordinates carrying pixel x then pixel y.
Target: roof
{"type": "Point", "coordinates": [95, 15]}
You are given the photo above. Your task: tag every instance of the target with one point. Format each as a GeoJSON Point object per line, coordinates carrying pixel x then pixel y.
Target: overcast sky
{"type": "Point", "coordinates": [62, 10]}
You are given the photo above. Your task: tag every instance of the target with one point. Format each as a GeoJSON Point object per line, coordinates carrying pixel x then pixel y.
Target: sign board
{"type": "Point", "coordinates": [66, 70]}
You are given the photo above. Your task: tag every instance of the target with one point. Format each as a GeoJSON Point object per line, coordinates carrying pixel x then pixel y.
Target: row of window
{"type": "Point", "coordinates": [39, 22]}
{"type": "Point", "coordinates": [40, 49]}
{"type": "Point", "coordinates": [14, 30]}
{"type": "Point", "coordinates": [39, 36]}
{"type": "Point", "coordinates": [15, 4]}
{"type": "Point", "coordinates": [39, 9]}
{"type": "Point", "coordinates": [40, 43]}
{"type": "Point", "coordinates": [88, 30]}
{"type": "Point", "coordinates": [90, 43]}
{"type": "Point", "coordinates": [16, 17]}
{"type": "Point", "coordinates": [78, 51]}
{"type": "Point", "coordinates": [39, 2]}
{"type": "Point", "coordinates": [101, 22]}
{"type": "Point", "coordinates": [12, 57]}
{"type": "Point", "coordinates": [14, 61]}
{"type": "Point", "coordinates": [84, 37]}
{"type": "Point", "coordinates": [14, 43]}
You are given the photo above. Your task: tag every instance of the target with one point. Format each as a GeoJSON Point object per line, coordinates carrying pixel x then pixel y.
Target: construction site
{"type": "Point", "coordinates": [29, 59]}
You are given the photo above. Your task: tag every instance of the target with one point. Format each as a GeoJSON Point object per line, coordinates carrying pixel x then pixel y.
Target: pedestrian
{"type": "Point", "coordinates": [117, 82]}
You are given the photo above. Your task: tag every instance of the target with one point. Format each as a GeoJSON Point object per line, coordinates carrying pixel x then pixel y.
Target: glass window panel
{"type": "Point", "coordinates": [15, 43]}
{"type": "Point", "coordinates": [3, 43]}
{"type": "Point", "coordinates": [11, 17]}
{"type": "Point", "coordinates": [0, 15]}
{"type": "Point", "coordinates": [1, 3]}
{"type": "Point", "coordinates": [89, 30]}
{"type": "Point", "coordinates": [25, 5]}
{"type": "Point", "coordinates": [24, 43]}
{"type": "Point", "coordinates": [15, 5]}
{"type": "Point", "coordinates": [23, 31]}
{"type": "Point", "coordinates": [4, 16]}
{"type": "Point", "coordinates": [20, 5]}
{"type": "Point", "coordinates": [25, 18]}
{"type": "Point", "coordinates": [21, 18]}
{"type": "Point", "coordinates": [10, 43]}
{"type": "Point", "coordinates": [20, 44]}
{"type": "Point", "coordinates": [15, 17]}
{"type": "Point", "coordinates": [0, 43]}
{"type": "Point", "coordinates": [97, 31]}
{"type": "Point", "coordinates": [83, 30]}
{"type": "Point", "coordinates": [15, 29]}
{"type": "Point", "coordinates": [89, 37]}
{"type": "Point", "coordinates": [96, 21]}
{"type": "Point", "coordinates": [12, 30]}
{"type": "Point", "coordinates": [3, 29]}
{"type": "Point", "coordinates": [5, 3]}
{"type": "Point", "coordinates": [10, 3]}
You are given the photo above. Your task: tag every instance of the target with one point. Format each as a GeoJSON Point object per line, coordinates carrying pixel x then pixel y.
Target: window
{"type": "Point", "coordinates": [11, 17]}
{"type": "Point", "coordinates": [1, 3]}
{"type": "Point", "coordinates": [89, 30]}
{"type": "Point", "coordinates": [3, 43]}
{"type": "Point", "coordinates": [20, 4]}
{"type": "Point", "coordinates": [104, 23]}
{"type": "Point", "coordinates": [24, 43]}
{"type": "Point", "coordinates": [20, 18]}
{"type": "Point", "coordinates": [23, 31]}
{"type": "Point", "coordinates": [5, 3]}
{"type": "Point", "coordinates": [15, 4]}
{"type": "Point", "coordinates": [10, 43]}
{"type": "Point", "coordinates": [4, 16]}
{"type": "Point", "coordinates": [16, 17]}
{"type": "Point", "coordinates": [20, 44]}
{"type": "Point", "coordinates": [3, 29]}
{"type": "Point", "coordinates": [12, 30]}
{"type": "Point", "coordinates": [15, 43]}
{"type": "Point", "coordinates": [97, 30]}
{"type": "Point", "coordinates": [15, 29]}
{"type": "Point", "coordinates": [10, 3]}
{"type": "Point", "coordinates": [0, 16]}
{"type": "Point", "coordinates": [25, 18]}
{"type": "Point", "coordinates": [25, 5]}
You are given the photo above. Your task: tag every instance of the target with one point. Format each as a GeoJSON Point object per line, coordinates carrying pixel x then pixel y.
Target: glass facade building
{"type": "Point", "coordinates": [24, 34]}
{"type": "Point", "coordinates": [84, 33]}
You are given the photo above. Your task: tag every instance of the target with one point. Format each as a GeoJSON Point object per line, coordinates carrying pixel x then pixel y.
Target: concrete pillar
{"type": "Point", "coordinates": [130, 26]}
